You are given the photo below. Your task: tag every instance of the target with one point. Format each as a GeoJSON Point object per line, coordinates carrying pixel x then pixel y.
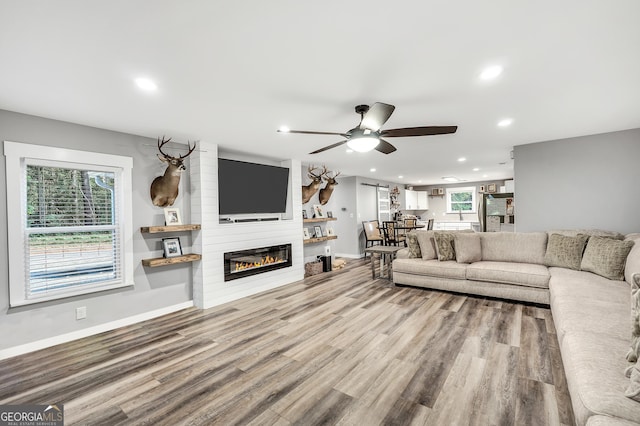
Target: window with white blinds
{"type": "Point", "coordinates": [72, 223]}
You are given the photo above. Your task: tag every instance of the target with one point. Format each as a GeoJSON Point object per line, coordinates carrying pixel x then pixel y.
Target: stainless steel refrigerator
{"type": "Point", "coordinates": [497, 212]}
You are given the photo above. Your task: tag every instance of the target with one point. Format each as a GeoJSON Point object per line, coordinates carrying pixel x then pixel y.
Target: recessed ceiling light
{"type": "Point", "coordinates": [476, 169]}
{"type": "Point", "coordinates": [462, 160]}
{"type": "Point", "coordinates": [419, 181]}
{"type": "Point", "coordinates": [372, 169]}
{"type": "Point", "coordinates": [451, 179]}
{"type": "Point", "coordinates": [349, 150]}
{"type": "Point", "coordinates": [400, 177]}
{"type": "Point", "coordinates": [146, 84]}
{"type": "Point", "coordinates": [284, 129]}
{"type": "Point", "coordinates": [505, 122]}
{"type": "Point", "coordinates": [491, 72]}
{"type": "Point", "coordinates": [484, 176]}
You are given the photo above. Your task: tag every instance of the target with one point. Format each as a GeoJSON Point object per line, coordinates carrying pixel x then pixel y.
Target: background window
{"type": "Point", "coordinates": [71, 225]}
{"type": "Point", "coordinates": [461, 199]}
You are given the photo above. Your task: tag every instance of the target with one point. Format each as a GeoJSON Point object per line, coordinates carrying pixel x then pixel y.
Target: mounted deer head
{"type": "Point", "coordinates": [325, 193]}
{"type": "Point", "coordinates": [316, 180]}
{"type": "Point", "coordinates": [164, 189]}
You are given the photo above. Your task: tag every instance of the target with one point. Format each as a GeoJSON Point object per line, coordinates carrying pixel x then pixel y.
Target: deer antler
{"type": "Point", "coordinates": [312, 175]}
{"type": "Point", "coordinates": [161, 144]}
{"type": "Point", "coordinates": [329, 178]}
{"type": "Point", "coordinates": [190, 150]}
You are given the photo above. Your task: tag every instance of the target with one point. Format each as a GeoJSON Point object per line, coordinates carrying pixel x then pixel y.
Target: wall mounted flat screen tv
{"type": "Point", "coordinates": [246, 188]}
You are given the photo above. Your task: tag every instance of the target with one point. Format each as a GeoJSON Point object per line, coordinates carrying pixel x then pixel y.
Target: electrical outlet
{"type": "Point", "coordinates": [81, 312]}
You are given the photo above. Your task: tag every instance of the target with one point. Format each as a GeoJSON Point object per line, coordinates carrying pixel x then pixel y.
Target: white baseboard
{"type": "Point", "coordinates": [90, 331]}
{"type": "Point", "coordinates": [349, 255]}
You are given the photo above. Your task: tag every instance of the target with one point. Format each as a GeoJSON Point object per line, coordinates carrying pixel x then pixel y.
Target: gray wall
{"type": "Point", "coordinates": [583, 182]}
{"type": "Point", "coordinates": [154, 288]}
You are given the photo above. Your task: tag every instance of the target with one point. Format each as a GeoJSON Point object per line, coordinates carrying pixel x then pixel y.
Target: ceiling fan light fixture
{"type": "Point", "coordinates": [363, 144]}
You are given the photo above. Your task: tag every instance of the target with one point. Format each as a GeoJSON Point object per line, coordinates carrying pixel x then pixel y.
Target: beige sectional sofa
{"type": "Point", "coordinates": [591, 312]}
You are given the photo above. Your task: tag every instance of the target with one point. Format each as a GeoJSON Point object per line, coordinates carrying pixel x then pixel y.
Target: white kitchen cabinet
{"type": "Point", "coordinates": [416, 200]}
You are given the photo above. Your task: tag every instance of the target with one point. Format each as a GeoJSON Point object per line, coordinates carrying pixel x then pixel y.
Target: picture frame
{"type": "Point", "coordinates": [481, 188]}
{"type": "Point", "coordinates": [434, 191]}
{"type": "Point", "coordinates": [304, 214]}
{"type": "Point", "coordinates": [172, 216]}
{"type": "Point", "coordinates": [305, 233]}
{"type": "Point", "coordinates": [171, 247]}
{"type": "Point", "coordinates": [330, 232]}
{"type": "Point", "coordinates": [317, 211]}
{"type": "Point", "coordinates": [440, 191]}
{"type": "Point", "coordinates": [491, 187]}
{"type": "Point", "coordinates": [329, 214]}
{"type": "Point", "coordinates": [317, 232]}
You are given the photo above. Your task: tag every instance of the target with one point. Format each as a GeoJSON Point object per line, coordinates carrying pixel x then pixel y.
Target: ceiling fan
{"type": "Point", "coordinates": [367, 135]}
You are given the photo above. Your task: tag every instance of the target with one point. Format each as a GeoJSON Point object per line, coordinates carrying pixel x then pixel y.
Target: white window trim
{"type": "Point", "coordinates": [17, 155]}
{"type": "Point", "coordinates": [474, 198]}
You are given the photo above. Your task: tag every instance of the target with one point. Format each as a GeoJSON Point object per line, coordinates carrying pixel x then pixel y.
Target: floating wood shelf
{"type": "Point", "coordinates": [319, 219]}
{"type": "Point", "coordinates": [169, 228]}
{"type": "Point", "coordinates": [162, 261]}
{"type": "Point", "coordinates": [317, 240]}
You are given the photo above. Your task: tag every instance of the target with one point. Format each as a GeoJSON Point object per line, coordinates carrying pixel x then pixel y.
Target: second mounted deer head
{"type": "Point", "coordinates": [164, 189]}
{"type": "Point", "coordinates": [325, 193]}
{"type": "Point", "coordinates": [316, 180]}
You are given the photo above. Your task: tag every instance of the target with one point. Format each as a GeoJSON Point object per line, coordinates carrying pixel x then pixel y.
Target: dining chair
{"type": "Point", "coordinates": [391, 236]}
{"type": "Point", "coordinates": [429, 224]}
{"type": "Point", "coordinates": [410, 222]}
{"type": "Point", "coordinates": [372, 234]}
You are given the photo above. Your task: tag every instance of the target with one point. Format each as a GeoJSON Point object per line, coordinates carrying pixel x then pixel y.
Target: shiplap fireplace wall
{"type": "Point", "coordinates": [215, 238]}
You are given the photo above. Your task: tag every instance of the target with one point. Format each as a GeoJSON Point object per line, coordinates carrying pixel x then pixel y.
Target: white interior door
{"type": "Point", "coordinates": [384, 205]}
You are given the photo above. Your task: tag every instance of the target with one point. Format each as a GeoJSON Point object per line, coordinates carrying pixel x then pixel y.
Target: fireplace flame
{"type": "Point", "coordinates": [268, 260]}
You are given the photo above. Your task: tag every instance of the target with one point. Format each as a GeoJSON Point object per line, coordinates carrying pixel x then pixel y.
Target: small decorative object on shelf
{"type": "Point", "coordinates": [329, 214]}
{"type": "Point", "coordinates": [317, 211]}
{"type": "Point", "coordinates": [317, 232]}
{"type": "Point", "coordinates": [304, 214]}
{"type": "Point", "coordinates": [306, 234]}
{"type": "Point", "coordinates": [172, 247]}
{"type": "Point", "coordinates": [330, 231]}
{"type": "Point", "coordinates": [172, 216]}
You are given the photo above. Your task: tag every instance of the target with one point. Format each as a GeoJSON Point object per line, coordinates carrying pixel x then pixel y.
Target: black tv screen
{"type": "Point", "coordinates": [245, 188]}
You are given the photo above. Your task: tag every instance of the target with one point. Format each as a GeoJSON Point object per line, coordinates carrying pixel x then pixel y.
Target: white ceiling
{"type": "Point", "coordinates": [233, 72]}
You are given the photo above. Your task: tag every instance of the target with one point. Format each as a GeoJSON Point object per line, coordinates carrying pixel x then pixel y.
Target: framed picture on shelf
{"type": "Point", "coordinates": [306, 234]}
{"type": "Point", "coordinates": [434, 191]}
{"type": "Point", "coordinates": [481, 188]}
{"type": "Point", "coordinates": [172, 247]}
{"type": "Point", "coordinates": [172, 216]}
{"type": "Point", "coordinates": [304, 214]}
{"type": "Point", "coordinates": [330, 231]}
{"type": "Point", "coordinates": [317, 232]}
{"type": "Point", "coordinates": [491, 187]}
{"type": "Point", "coordinates": [329, 214]}
{"type": "Point", "coordinates": [440, 191]}
{"type": "Point", "coordinates": [317, 211]}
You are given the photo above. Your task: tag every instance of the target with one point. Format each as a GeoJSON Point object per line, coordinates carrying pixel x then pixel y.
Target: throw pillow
{"type": "Point", "coordinates": [633, 390]}
{"type": "Point", "coordinates": [606, 257]}
{"type": "Point", "coordinates": [468, 248]}
{"type": "Point", "coordinates": [427, 244]}
{"type": "Point", "coordinates": [413, 246]}
{"type": "Point", "coordinates": [634, 352]}
{"type": "Point", "coordinates": [565, 251]}
{"type": "Point", "coordinates": [444, 246]}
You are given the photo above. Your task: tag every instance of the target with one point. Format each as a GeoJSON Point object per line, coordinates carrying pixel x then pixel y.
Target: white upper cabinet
{"type": "Point", "coordinates": [416, 200]}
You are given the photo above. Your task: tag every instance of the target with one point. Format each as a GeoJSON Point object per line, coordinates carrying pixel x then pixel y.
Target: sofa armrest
{"type": "Point", "coordinates": [402, 254]}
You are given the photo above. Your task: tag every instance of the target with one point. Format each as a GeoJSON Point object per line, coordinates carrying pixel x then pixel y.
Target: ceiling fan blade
{"type": "Point", "coordinates": [328, 147]}
{"type": "Point", "coordinates": [419, 131]}
{"type": "Point", "coordinates": [306, 132]}
{"type": "Point", "coordinates": [385, 147]}
{"type": "Point", "coordinates": [377, 115]}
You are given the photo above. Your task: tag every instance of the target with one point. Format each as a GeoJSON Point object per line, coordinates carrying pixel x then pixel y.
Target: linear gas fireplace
{"type": "Point", "coordinates": [243, 263]}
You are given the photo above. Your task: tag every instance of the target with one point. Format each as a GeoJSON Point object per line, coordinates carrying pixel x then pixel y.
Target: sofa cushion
{"type": "Point", "coordinates": [609, 421]}
{"type": "Point", "coordinates": [633, 258]}
{"type": "Point", "coordinates": [432, 268]}
{"type": "Point", "coordinates": [521, 247]}
{"type": "Point", "coordinates": [589, 232]}
{"type": "Point", "coordinates": [468, 247]}
{"type": "Point", "coordinates": [634, 351]}
{"type": "Point", "coordinates": [427, 244]}
{"type": "Point", "coordinates": [581, 301]}
{"type": "Point", "coordinates": [413, 246]}
{"type": "Point", "coordinates": [593, 366]}
{"type": "Point", "coordinates": [444, 246]}
{"type": "Point", "coordinates": [606, 257]}
{"type": "Point", "coordinates": [524, 274]}
{"type": "Point", "coordinates": [565, 251]}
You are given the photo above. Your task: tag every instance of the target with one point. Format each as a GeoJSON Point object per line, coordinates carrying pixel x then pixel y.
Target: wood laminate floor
{"type": "Point", "coordinates": [336, 348]}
